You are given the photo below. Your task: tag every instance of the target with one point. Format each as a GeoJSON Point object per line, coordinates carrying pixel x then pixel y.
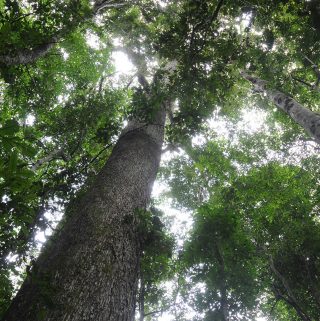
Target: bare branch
{"type": "Point", "coordinates": [313, 87]}
{"type": "Point", "coordinates": [100, 5]}
{"type": "Point", "coordinates": [316, 70]}
{"type": "Point", "coordinates": [312, 63]}
{"type": "Point", "coordinates": [56, 153]}
{"type": "Point", "coordinates": [95, 157]}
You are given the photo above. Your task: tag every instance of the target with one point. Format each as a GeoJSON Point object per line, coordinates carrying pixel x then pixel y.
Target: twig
{"type": "Point", "coordinates": [95, 157]}
{"type": "Point", "coordinates": [313, 87]}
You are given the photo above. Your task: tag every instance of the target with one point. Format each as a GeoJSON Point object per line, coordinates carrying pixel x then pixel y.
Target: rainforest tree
{"type": "Point", "coordinates": [63, 144]}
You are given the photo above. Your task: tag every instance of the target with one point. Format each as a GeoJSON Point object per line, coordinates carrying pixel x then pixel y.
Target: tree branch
{"type": "Point", "coordinates": [216, 12]}
{"type": "Point", "coordinates": [95, 157]}
{"type": "Point", "coordinates": [313, 87]}
{"type": "Point", "coordinates": [56, 153]}
{"type": "Point", "coordinates": [26, 56]}
{"type": "Point", "coordinates": [316, 71]}
{"type": "Point", "coordinates": [291, 297]}
{"type": "Point", "coordinates": [100, 5]}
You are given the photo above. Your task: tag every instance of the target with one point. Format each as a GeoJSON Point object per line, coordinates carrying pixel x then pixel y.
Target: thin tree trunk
{"type": "Point", "coordinates": [292, 300]}
{"type": "Point", "coordinates": [313, 282]}
{"type": "Point", "coordinates": [223, 286]}
{"type": "Point", "coordinates": [308, 119]}
{"type": "Point", "coordinates": [90, 269]}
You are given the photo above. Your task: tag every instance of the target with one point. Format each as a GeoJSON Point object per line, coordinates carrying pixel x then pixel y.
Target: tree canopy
{"type": "Point", "coordinates": [239, 157]}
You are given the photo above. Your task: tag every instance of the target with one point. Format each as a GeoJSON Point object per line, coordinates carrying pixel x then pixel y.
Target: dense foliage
{"type": "Point", "coordinates": [253, 194]}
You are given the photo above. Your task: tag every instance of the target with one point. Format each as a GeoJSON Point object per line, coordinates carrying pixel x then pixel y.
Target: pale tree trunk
{"type": "Point", "coordinates": [27, 56]}
{"type": "Point", "coordinates": [90, 269]}
{"type": "Point", "coordinates": [308, 119]}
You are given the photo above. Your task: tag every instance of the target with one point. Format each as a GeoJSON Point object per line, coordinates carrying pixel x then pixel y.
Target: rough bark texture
{"type": "Point", "coordinates": [89, 271]}
{"type": "Point", "coordinates": [309, 120]}
{"type": "Point", "coordinates": [27, 56]}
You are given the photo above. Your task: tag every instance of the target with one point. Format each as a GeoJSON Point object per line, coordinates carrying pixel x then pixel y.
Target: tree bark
{"type": "Point", "coordinates": [89, 271]}
{"type": "Point", "coordinates": [308, 119]}
{"type": "Point", "coordinates": [141, 298]}
{"type": "Point", "coordinates": [27, 56]}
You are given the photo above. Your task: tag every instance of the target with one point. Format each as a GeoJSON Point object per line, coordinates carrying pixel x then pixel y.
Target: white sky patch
{"type": "Point", "coordinates": [93, 40]}
{"type": "Point", "coordinates": [5, 199]}
{"type": "Point", "coordinates": [60, 99]}
{"type": "Point", "coordinates": [253, 120]}
{"type": "Point", "coordinates": [181, 218]}
{"type": "Point", "coordinates": [46, 139]}
{"type": "Point", "coordinates": [219, 125]}
{"type": "Point", "coordinates": [30, 119]}
{"type": "Point", "coordinates": [243, 22]}
{"type": "Point", "coordinates": [246, 18]}
{"type": "Point", "coordinates": [161, 3]}
{"type": "Point", "coordinates": [199, 140]}
{"type": "Point", "coordinates": [122, 63]}
{"type": "Point", "coordinates": [53, 218]}
{"type": "Point", "coordinates": [65, 55]}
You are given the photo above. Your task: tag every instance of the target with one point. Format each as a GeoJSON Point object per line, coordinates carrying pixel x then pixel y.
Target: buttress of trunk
{"type": "Point", "coordinates": [27, 56]}
{"type": "Point", "coordinates": [89, 270]}
{"type": "Point", "coordinates": [309, 120]}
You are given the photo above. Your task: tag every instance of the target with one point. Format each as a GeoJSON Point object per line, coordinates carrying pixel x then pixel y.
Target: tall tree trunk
{"type": "Point", "coordinates": [27, 56]}
{"type": "Point", "coordinates": [89, 271]}
{"type": "Point", "coordinates": [309, 120]}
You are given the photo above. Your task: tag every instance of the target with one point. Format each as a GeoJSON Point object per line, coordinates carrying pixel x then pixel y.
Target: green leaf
{"type": "Point", "coordinates": [10, 128]}
{"type": "Point", "coordinates": [13, 161]}
{"type": "Point", "coordinates": [28, 150]}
